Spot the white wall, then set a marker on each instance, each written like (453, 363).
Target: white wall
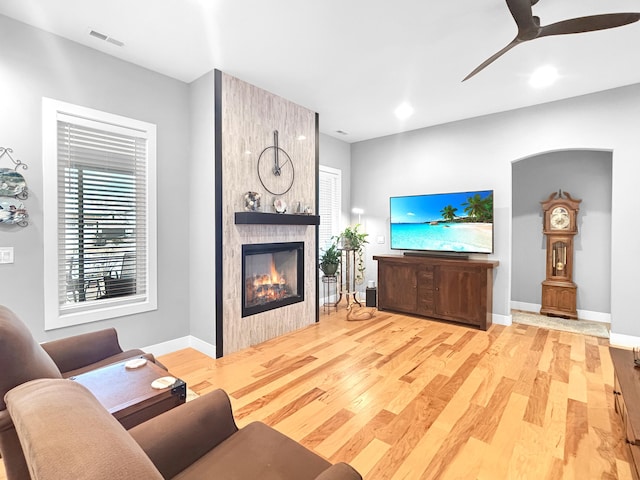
(477, 154)
(34, 64)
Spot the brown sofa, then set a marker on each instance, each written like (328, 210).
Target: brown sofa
(66, 433)
(23, 359)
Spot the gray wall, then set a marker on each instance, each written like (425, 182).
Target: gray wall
(478, 154)
(586, 175)
(34, 64)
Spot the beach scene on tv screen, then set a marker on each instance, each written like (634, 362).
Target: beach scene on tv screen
(447, 222)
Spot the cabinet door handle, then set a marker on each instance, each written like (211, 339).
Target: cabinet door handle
(615, 392)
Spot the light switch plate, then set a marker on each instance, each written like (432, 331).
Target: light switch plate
(6, 254)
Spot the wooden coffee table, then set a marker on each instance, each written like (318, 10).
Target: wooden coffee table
(127, 393)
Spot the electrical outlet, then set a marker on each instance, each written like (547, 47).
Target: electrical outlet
(6, 254)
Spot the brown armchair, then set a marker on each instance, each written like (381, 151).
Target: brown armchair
(196, 440)
(23, 359)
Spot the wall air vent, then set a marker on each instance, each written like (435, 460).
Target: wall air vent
(106, 38)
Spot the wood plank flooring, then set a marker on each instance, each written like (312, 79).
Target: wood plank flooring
(401, 397)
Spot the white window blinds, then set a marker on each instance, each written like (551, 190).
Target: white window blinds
(329, 205)
(101, 212)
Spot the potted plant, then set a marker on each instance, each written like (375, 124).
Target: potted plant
(352, 239)
(330, 260)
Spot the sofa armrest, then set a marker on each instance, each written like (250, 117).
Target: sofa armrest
(78, 351)
(177, 438)
(339, 471)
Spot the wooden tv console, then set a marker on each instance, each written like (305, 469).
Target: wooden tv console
(454, 289)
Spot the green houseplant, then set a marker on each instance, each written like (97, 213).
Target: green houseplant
(330, 260)
(352, 239)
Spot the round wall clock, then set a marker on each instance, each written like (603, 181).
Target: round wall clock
(275, 168)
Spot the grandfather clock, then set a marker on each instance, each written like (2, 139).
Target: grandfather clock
(560, 227)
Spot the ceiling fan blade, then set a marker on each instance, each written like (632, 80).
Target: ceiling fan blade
(522, 13)
(589, 24)
(493, 58)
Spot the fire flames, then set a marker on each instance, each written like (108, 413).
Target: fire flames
(264, 288)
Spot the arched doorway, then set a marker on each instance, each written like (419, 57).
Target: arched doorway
(587, 175)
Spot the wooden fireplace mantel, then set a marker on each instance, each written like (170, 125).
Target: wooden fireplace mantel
(263, 218)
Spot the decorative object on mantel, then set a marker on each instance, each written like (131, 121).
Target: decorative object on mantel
(13, 186)
(275, 172)
(252, 201)
(280, 205)
(303, 209)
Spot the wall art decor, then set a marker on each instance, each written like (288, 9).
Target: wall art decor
(13, 189)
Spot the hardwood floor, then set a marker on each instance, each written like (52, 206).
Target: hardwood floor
(401, 397)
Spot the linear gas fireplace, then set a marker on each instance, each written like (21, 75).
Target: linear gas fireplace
(273, 276)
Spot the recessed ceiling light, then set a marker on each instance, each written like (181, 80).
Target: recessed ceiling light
(342, 132)
(403, 111)
(543, 77)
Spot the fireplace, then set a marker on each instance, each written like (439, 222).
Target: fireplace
(273, 276)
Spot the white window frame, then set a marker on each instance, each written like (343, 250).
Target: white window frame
(54, 316)
(336, 207)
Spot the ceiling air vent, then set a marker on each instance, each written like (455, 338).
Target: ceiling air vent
(106, 38)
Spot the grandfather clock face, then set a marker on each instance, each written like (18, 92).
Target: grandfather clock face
(559, 219)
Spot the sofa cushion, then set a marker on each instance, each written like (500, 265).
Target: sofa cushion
(22, 358)
(66, 433)
(257, 451)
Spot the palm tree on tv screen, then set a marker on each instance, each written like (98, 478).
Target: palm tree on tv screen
(449, 212)
(479, 209)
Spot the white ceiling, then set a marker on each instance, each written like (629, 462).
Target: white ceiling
(354, 61)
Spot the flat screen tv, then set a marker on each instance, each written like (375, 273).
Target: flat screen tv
(458, 222)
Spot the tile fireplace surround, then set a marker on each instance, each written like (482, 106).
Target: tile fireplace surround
(245, 121)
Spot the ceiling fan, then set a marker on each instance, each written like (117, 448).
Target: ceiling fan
(529, 27)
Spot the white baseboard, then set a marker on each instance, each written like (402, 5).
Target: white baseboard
(501, 319)
(525, 307)
(180, 343)
(621, 340)
(582, 314)
(202, 346)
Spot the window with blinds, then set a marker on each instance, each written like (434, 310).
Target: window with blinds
(102, 251)
(330, 180)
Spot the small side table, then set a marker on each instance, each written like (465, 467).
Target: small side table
(128, 395)
(329, 287)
